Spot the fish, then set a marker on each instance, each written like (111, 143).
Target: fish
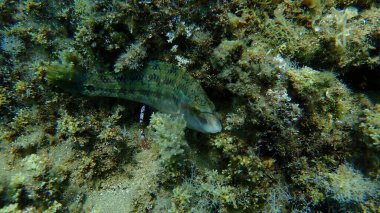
(160, 85)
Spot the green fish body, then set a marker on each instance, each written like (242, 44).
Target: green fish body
(160, 85)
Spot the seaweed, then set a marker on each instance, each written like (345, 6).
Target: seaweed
(297, 136)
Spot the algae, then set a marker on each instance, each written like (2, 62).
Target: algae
(297, 135)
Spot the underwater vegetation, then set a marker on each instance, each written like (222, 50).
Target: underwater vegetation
(280, 97)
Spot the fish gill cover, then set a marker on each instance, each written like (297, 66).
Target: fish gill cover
(293, 83)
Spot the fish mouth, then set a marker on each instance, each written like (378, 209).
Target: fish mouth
(204, 122)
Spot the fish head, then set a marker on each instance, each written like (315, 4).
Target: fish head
(205, 122)
(199, 112)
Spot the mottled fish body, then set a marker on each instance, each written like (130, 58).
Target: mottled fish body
(158, 84)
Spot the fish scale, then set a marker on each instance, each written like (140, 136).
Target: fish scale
(158, 84)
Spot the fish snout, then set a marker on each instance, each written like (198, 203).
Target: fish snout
(204, 122)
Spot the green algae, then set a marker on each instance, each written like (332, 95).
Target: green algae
(296, 136)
